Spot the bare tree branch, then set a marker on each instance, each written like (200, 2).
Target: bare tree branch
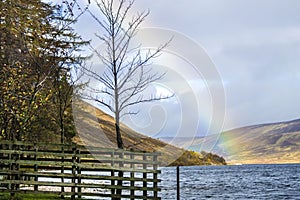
(128, 71)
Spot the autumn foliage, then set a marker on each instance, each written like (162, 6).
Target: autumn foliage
(38, 50)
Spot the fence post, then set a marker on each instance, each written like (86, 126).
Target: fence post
(62, 170)
(13, 169)
(145, 193)
(11, 177)
(120, 175)
(132, 176)
(35, 167)
(155, 183)
(73, 173)
(18, 158)
(112, 172)
(178, 183)
(76, 160)
(79, 173)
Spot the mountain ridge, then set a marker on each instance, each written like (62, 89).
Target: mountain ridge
(266, 124)
(96, 128)
(269, 143)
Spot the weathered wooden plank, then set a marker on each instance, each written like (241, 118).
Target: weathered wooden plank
(56, 157)
(124, 169)
(27, 160)
(83, 185)
(39, 153)
(77, 176)
(85, 166)
(83, 194)
(82, 148)
(39, 163)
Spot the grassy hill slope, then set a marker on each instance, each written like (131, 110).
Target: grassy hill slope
(97, 128)
(265, 143)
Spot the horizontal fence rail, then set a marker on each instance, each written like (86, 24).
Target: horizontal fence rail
(77, 171)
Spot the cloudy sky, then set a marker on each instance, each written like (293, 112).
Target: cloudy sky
(254, 45)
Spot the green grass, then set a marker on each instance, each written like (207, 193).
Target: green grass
(6, 196)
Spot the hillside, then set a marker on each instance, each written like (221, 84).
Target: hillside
(264, 143)
(97, 128)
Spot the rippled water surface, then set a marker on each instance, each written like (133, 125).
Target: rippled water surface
(233, 182)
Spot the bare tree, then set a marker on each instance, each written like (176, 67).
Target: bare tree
(128, 70)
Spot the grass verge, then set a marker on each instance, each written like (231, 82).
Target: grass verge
(6, 196)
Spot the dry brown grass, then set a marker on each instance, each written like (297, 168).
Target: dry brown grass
(276, 143)
(97, 128)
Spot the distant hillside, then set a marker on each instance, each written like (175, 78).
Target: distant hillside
(264, 143)
(97, 128)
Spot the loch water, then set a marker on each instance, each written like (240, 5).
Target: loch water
(233, 182)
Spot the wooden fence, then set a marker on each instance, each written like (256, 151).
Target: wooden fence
(77, 171)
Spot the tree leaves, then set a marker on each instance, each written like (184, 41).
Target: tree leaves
(38, 48)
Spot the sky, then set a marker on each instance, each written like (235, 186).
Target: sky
(254, 45)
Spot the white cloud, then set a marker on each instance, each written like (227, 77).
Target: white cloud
(255, 45)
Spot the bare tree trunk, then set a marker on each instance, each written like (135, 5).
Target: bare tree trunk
(120, 146)
(127, 72)
(119, 136)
